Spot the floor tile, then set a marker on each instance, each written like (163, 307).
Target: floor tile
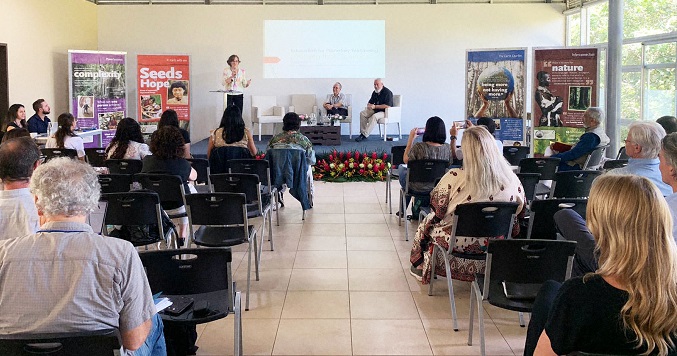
(316, 305)
(364, 230)
(369, 243)
(321, 259)
(373, 259)
(319, 279)
(322, 243)
(263, 304)
(313, 337)
(323, 230)
(258, 337)
(389, 337)
(382, 305)
(377, 279)
(445, 341)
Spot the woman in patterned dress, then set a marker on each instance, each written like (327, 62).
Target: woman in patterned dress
(485, 176)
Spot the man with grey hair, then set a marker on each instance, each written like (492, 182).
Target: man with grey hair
(381, 99)
(642, 146)
(668, 167)
(593, 137)
(18, 215)
(66, 278)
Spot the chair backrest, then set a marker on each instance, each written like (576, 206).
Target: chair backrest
(50, 153)
(265, 104)
(260, 167)
(304, 103)
(526, 262)
(595, 158)
(219, 157)
(201, 166)
(514, 154)
(614, 163)
(397, 155)
(100, 342)
(573, 184)
(541, 221)
(204, 270)
(96, 157)
(245, 183)
(529, 182)
(425, 171)
(545, 166)
(115, 183)
(217, 209)
(132, 208)
(484, 219)
(288, 166)
(397, 100)
(124, 166)
(622, 154)
(169, 188)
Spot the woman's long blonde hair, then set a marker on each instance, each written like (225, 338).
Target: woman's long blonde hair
(632, 225)
(486, 169)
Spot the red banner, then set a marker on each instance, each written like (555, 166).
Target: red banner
(164, 83)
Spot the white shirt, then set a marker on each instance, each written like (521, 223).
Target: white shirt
(70, 142)
(18, 214)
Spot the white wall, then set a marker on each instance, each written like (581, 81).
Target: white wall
(425, 49)
(38, 34)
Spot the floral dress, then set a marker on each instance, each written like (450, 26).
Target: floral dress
(436, 226)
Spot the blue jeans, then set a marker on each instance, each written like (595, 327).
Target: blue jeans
(155, 342)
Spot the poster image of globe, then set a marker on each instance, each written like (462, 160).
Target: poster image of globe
(496, 83)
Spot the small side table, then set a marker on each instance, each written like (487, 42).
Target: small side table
(324, 135)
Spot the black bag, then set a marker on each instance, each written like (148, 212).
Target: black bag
(144, 234)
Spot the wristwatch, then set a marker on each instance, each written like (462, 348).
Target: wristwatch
(452, 138)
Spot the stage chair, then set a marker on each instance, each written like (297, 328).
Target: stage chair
(393, 115)
(266, 111)
(303, 104)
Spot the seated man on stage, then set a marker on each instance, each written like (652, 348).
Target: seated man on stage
(336, 102)
(381, 99)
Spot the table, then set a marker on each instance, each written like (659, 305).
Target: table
(91, 138)
(325, 135)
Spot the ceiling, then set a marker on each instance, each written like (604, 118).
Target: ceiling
(569, 3)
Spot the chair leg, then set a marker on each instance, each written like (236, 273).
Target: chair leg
(472, 312)
(259, 131)
(399, 218)
(379, 130)
(450, 286)
(390, 194)
(303, 217)
(249, 274)
(521, 317)
(385, 132)
(277, 209)
(231, 298)
(256, 257)
(270, 229)
(433, 262)
(404, 215)
(480, 318)
(399, 129)
(237, 336)
(350, 128)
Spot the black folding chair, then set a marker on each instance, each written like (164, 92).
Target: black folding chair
(96, 157)
(115, 183)
(594, 159)
(201, 166)
(545, 166)
(124, 166)
(50, 153)
(614, 163)
(203, 275)
(83, 343)
(223, 223)
(541, 221)
(517, 268)
(573, 184)
(396, 158)
(487, 219)
(514, 154)
(219, 157)
(138, 214)
(261, 168)
(420, 171)
(529, 182)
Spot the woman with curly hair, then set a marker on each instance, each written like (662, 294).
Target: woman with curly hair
(128, 141)
(65, 136)
(171, 118)
(16, 118)
(231, 132)
(629, 305)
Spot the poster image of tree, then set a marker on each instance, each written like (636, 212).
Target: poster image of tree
(565, 85)
(495, 88)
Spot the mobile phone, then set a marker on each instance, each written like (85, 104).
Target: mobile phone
(420, 132)
(460, 124)
(179, 305)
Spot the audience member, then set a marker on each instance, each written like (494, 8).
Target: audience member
(290, 137)
(65, 137)
(485, 176)
(231, 132)
(668, 167)
(16, 118)
(170, 118)
(336, 102)
(39, 122)
(629, 304)
(381, 99)
(593, 137)
(488, 123)
(18, 215)
(433, 146)
(128, 141)
(16, 133)
(642, 146)
(669, 123)
(166, 146)
(65, 277)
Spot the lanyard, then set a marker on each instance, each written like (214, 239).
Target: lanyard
(64, 231)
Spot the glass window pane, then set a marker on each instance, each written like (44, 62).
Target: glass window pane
(632, 54)
(630, 100)
(660, 93)
(574, 22)
(598, 27)
(660, 53)
(643, 18)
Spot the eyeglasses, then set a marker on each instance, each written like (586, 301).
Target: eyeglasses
(628, 141)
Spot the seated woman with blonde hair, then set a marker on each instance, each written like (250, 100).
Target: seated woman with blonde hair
(629, 305)
(485, 176)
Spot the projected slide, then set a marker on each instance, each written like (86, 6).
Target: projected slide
(324, 49)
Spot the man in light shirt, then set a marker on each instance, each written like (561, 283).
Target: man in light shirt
(18, 215)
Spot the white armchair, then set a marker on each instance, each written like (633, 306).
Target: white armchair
(393, 115)
(349, 119)
(266, 111)
(303, 104)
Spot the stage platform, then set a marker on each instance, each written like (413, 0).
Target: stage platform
(374, 143)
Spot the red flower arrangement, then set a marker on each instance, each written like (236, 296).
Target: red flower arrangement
(351, 166)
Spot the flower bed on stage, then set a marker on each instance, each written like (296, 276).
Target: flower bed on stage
(351, 166)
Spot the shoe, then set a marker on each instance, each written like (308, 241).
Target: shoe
(360, 138)
(417, 273)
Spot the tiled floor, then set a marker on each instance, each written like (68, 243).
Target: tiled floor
(338, 284)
